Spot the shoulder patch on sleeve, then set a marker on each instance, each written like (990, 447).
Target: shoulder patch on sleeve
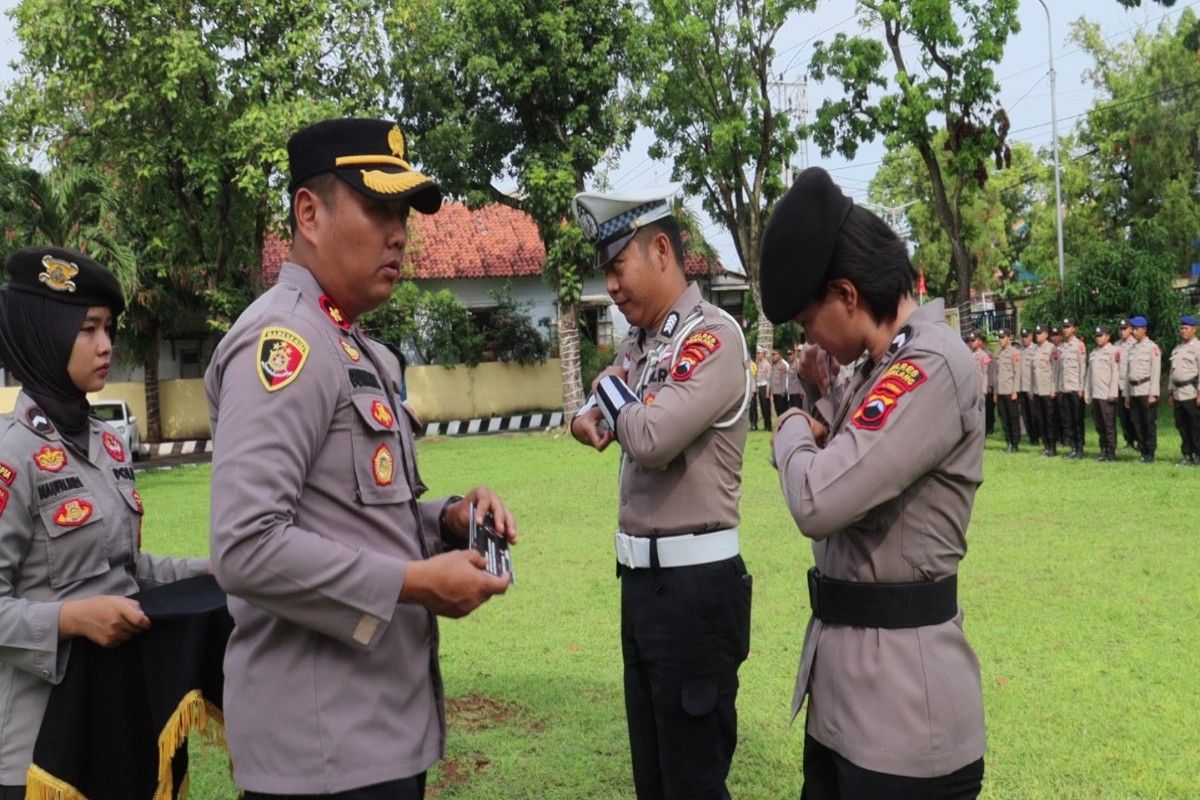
(696, 348)
(7, 473)
(281, 355)
(900, 379)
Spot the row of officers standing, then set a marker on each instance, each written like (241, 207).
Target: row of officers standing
(1048, 379)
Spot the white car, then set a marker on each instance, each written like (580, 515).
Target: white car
(117, 414)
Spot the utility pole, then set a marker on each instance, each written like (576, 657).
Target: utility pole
(1058, 214)
(791, 100)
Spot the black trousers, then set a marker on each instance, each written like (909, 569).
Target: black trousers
(1125, 415)
(1080, 421)
(761, 402)
(989, 414)
(1010, 419)
(12, 793)
(1027, 413)
(782, 403)
(684, 633)
(1104, 414)
(1187, 422)
(829, 776)
(404, 789)
(1047, 414)
(1145, 422)
(1068, 414)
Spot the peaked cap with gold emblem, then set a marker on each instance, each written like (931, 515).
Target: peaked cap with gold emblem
(369, 154)
(66, 276)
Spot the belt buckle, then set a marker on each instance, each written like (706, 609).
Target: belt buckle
(625, 550)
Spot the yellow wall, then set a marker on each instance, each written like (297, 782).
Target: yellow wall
(437, 394)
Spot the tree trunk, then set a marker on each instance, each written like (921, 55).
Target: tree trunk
(766, 331)
(568, 354)
(950, 216)
(150, 367)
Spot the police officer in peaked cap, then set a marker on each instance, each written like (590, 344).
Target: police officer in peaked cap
(674, 401)
(895, 707)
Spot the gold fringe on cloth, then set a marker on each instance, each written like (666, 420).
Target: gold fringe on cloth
(41, 785)
(193, 711)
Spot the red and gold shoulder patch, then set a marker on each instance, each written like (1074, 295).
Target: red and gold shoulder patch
(7, 473)
(382, 466)
(696, 348)
(50, 459)
(114, 446)
(3, 499)
(900, 379)
(382, 414)
(351, 351)
(335, 314)
(281, 356)
(73, 513)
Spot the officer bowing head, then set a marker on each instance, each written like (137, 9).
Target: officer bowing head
(352, 187)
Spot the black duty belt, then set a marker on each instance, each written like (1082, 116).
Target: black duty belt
(1188, 382)
(882, 605)
(1138, 382)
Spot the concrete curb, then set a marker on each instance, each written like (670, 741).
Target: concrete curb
(457, 427)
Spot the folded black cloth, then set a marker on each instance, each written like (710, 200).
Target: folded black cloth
(116, 727)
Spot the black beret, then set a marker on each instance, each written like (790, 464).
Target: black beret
(368, 154)
(1068, 323)
(1039, 328)
(798, 243)
(975, 335)
(1003, 333)
(1101, 329)
(66, 276)
(1123, 323)
(1054, 329)
(1026, 332)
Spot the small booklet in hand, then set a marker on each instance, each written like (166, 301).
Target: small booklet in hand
(492, 546)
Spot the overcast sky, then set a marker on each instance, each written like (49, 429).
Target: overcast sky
(1023, 74)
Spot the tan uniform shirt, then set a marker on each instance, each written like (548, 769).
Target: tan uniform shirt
(1122, 359)
(887, 500)
(1028, 356)
(1185, 370)
(783, 379)
(330, 684)
(680, 472)
(1103, 375)
(763, 376)
(1072, 364)
(70, 528)
(1145, 369)
(1008, 372)
(983, 363)
(1044, 371)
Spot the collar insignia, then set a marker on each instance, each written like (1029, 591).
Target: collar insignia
(38, 420)
(137, 500)
(901, 339)
(382, 466)
(335, 314)
(281, 356)
(73, 513)
(668, 328)
(114, 446)
(50, 459)
(351, 350)
(58, 274)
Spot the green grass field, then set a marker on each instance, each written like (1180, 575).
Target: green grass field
(1081, 591)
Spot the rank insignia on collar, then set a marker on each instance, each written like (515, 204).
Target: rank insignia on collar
(50, 459)
(137, 500)
(335, 314)
(114, 446)
(73, 513)
(281, 356)
(382, 414)
(901, 338)
(696, 348)
(668, 328)
(38, 420)
(899, 379)
(7, 473)
(58, 274)
(383, 468)
(350, 350)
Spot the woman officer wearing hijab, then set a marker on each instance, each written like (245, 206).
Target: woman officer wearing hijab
(70, 516)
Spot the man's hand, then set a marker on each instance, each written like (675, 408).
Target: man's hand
(1170, 399)
(1127, 404)
(616, 372)
(1153, 400)
(819, 431)
(458, 516)
(591, 429)
(107, 620)
(1014, 397)
(451, 584)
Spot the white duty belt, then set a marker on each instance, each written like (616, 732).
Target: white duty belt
(677, 551)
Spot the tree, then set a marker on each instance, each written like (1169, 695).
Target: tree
(436, 324)
(529, 91)
(709, 104)
(959, 42)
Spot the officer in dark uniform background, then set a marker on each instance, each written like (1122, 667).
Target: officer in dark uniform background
(1025, 395)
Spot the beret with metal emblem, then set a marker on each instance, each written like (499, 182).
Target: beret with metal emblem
(1123, 323)
(1068, 323)
(798, 243)
(368, 154)
(1187, 319)
(66, 276)
(1055, 330)
(609, 221)
(973, 335)
(1039, 328)
(1003, 333)
(1026, 332)
(1139, 322)
(1102, 330)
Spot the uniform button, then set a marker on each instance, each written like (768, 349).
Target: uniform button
(624, 501)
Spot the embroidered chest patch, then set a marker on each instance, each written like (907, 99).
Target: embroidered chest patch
(900, 379)
(350, 350)
(7, 473)
(281, 356)
(73, 513)
(382, 414)
(383, 467)
(696, 348)
(50, 459)
(114, 446)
